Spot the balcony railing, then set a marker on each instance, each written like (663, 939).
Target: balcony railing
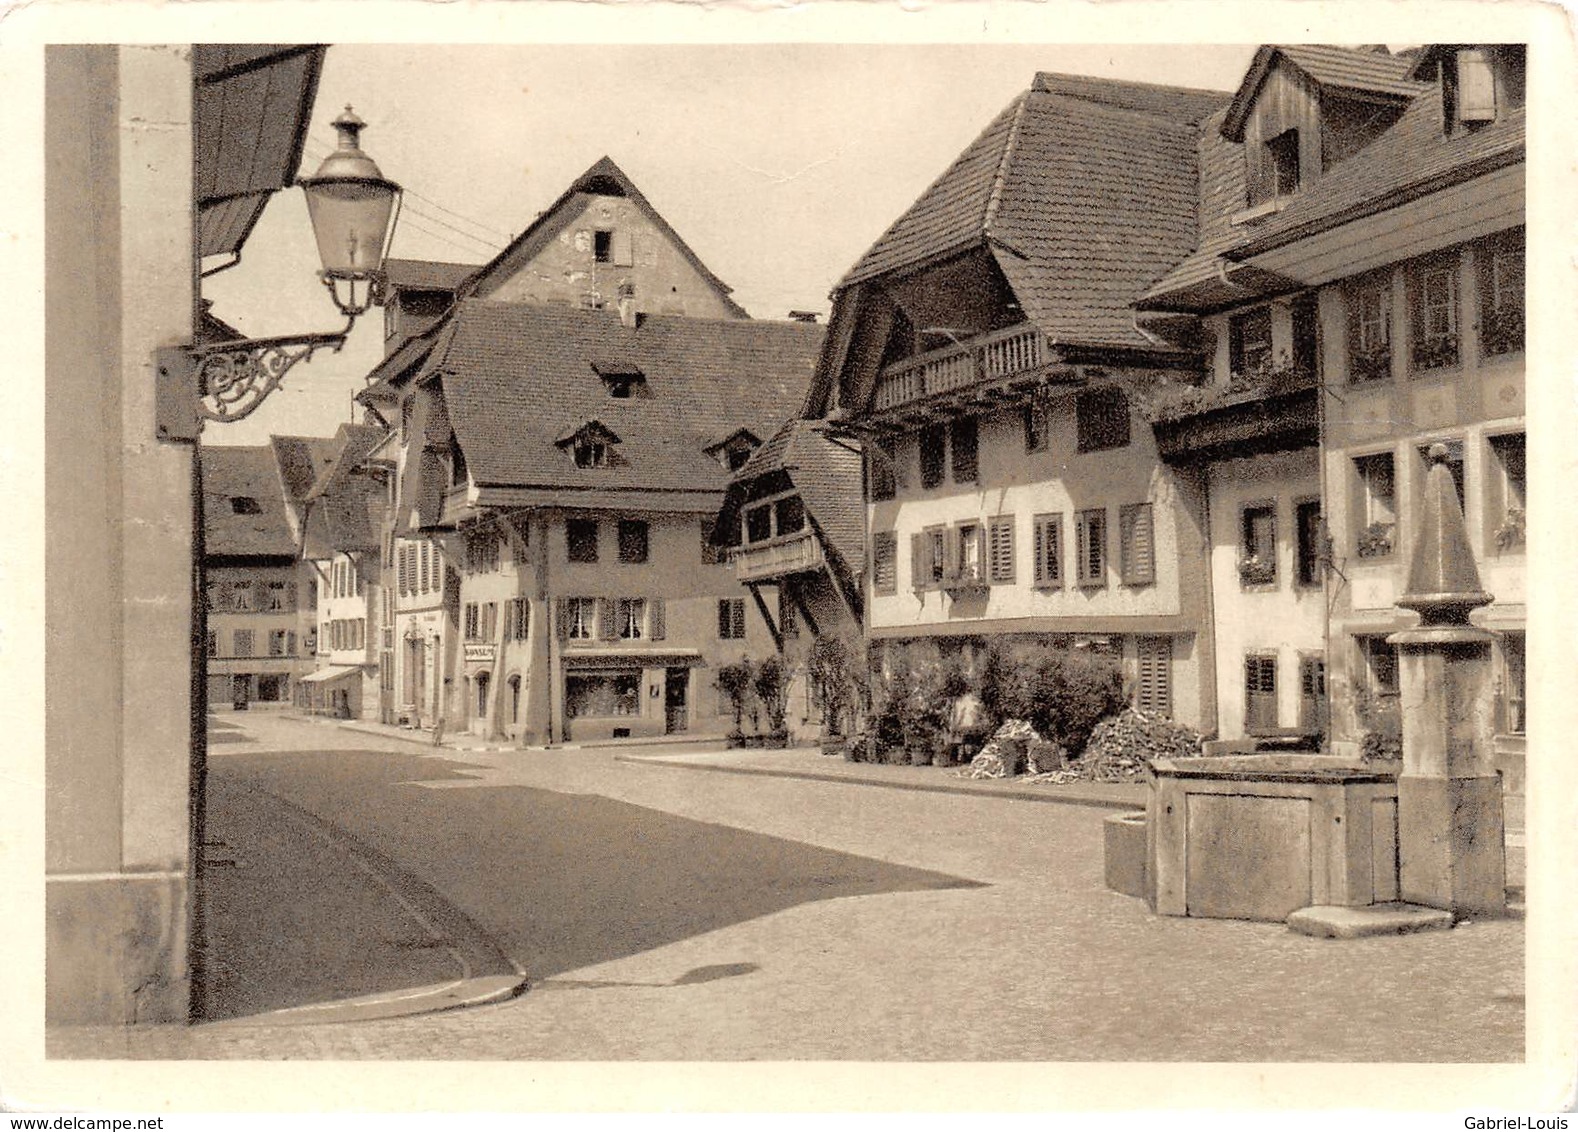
(1001, 353)
(788, 554)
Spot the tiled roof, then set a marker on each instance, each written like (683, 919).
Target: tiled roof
(346, 507)
(1176, 103)
(426, 274)
(515, 377)
(1412, 153)
(1341, 68)
(1222, 189)
(302, 460)
(1415, 153)
(1084, 198)
(1353, 69)
(243, 473)
(347, 448)
(603, 177)
(827, 475)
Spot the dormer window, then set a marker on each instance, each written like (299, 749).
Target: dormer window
(1479, 84)
(1283, 150)
(621, 379)
(591, 446)
(1274, 168)
(734, 450)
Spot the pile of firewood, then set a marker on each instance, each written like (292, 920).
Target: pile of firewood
(1120, 745)
(1003, 755)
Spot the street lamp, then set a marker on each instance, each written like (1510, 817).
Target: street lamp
(350, 203)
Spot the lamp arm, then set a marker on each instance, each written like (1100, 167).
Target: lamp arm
(227, 381)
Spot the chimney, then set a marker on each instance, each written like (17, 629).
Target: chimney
(628, 318)
(802, 316)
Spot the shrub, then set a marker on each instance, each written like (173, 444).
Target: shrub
(830, 665)
(923, 713)
(888, 703)
(1004, 692)
(734, 681)
(771, 684)
(1070, 693)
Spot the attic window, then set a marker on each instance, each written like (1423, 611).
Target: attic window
(620, 379)
(603, 246)
(737, 456)
(244, 505)
(590, 453)
(591, 446)
(1273, 169)
(1283, 151)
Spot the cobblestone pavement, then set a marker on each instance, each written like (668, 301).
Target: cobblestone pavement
(1040, 963)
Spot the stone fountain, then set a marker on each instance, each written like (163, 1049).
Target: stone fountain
(1337, 848)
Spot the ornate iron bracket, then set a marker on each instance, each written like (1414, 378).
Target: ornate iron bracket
(226, 381)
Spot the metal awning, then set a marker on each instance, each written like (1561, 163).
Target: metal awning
(251, 102)
(329, 675)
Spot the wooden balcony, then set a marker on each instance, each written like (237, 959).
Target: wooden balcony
(787, 554)
(985, 358)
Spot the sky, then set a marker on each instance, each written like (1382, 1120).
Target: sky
(778, 163)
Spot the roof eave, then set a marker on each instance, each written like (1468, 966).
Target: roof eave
(1402, 194)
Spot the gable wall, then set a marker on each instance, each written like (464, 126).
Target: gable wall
(566, 270)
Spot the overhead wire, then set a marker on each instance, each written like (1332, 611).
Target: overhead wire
(486, 239)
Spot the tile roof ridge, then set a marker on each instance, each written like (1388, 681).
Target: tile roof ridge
(1000, 176)
(1138, 84)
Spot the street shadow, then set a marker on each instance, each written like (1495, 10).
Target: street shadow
(331, 845)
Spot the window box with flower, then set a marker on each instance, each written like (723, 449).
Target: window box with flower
(1375, 540)
(1254, 570)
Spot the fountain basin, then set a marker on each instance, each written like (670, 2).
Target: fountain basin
(1258, 837)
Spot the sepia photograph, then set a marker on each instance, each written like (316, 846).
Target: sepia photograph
(957, 548)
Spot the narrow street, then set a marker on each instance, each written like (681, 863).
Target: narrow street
(667, 913)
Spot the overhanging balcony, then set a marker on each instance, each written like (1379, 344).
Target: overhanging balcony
(777, 558)
(987, 358)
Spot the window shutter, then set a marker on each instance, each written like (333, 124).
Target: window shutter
(964, 441)
(403, 576)
(1154, 693)
(607, 619)
(1002, 549)
(737, 611)
(624, 249)
(917, 570)
(657, 624)
(1137, 535)
(564, 618)
(1476, 88)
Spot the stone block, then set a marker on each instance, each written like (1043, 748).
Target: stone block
(116, 949)
(1123, 845)
(1452, 850)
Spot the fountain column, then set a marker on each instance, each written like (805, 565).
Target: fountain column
(1451, 847)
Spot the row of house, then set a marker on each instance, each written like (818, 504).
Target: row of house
(1148, 370)
(1156, 371)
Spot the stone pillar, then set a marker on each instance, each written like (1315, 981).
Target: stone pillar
(1450, 839)
(119, 537)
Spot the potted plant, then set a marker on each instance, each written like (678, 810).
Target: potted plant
(734, 681)
(771, 684)
(1375, 540)
(887, 713)
(829, 667)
